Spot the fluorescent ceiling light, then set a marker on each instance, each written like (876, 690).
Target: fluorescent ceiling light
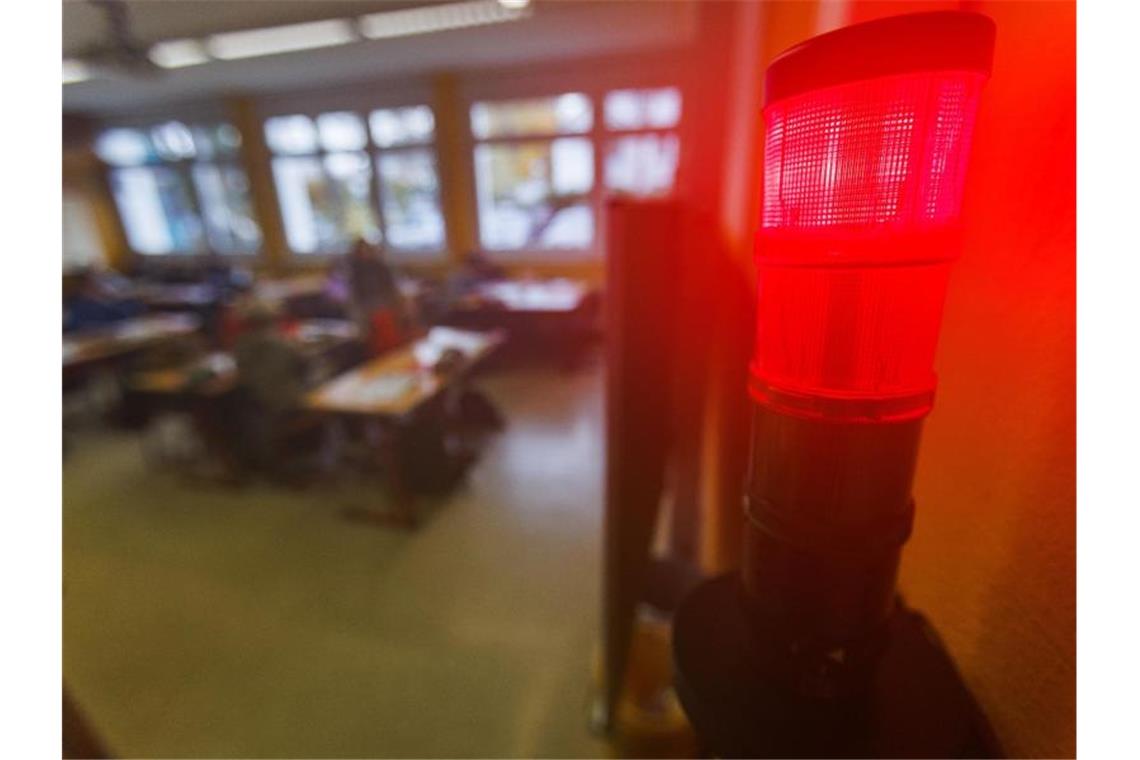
(438, 18)
(173, 54)
(75, 70)
(280, 39)
(514, 3)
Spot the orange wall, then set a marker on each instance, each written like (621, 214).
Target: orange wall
(992, 560)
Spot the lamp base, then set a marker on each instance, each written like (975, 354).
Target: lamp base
(916, 704)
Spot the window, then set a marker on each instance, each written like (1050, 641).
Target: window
(409, 180)
(643, 148)
(180, 189)
(533, 175)
(535, 163)
(340, 177)
(323, 180)
(571, 113)
(410, 199)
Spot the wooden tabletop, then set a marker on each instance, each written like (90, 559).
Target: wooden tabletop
(126, 336)
(396, 383)
(218, 370)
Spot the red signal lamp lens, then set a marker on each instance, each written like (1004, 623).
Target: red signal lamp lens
(868, 136)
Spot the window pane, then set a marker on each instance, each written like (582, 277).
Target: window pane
(351, 185)
(410, 191)
(157, 210)
(402, 126)
(642, 164)
(173, 141)
(309, 219)
(638, 109)
(326, 207)
(572, 166)
(291, 134)
(342, 130)
(124, 147)
(623, 110)
(216, 140)
(571, 113)
(223, 194)
(663, 107)
(530, 194)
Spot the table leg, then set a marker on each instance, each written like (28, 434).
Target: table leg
(389, 456)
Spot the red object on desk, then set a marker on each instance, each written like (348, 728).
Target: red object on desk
(290, 326)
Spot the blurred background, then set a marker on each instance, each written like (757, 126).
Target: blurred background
(346, 288)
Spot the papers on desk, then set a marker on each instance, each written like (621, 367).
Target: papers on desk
(539, 295)
(440, 339)
(397, 382)
(363, 390)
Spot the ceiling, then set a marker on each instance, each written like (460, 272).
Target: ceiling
(554, 31)
(154, 20)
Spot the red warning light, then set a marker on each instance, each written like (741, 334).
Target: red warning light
(863, 174)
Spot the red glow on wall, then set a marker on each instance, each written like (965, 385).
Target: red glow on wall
(862, 193)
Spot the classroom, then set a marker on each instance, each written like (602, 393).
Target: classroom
(523, 378)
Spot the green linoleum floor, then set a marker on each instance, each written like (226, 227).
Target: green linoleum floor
(205, 621)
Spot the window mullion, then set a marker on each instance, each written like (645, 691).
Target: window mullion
(378, 195)
(597, 137)
(335, 200)
(184, 170)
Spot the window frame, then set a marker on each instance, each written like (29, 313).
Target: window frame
(184, 168)
(613, 134)
(592, 197)
(353, 100)
(593, 80)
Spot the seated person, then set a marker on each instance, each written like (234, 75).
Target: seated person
(271, 378)
(89, 304)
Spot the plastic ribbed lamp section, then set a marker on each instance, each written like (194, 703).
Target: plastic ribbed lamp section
(862, 193)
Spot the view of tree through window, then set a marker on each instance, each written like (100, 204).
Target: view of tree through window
(341, 177)
(535, 162)
(533, 182)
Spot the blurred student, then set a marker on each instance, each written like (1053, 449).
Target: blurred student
(374, 297)
(272, 380)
